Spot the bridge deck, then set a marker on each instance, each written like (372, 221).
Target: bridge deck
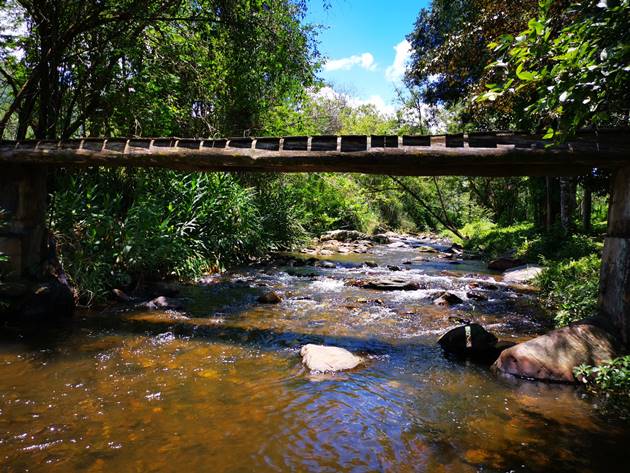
(475, 154)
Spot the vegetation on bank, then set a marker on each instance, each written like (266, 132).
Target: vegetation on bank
(609, 377)
(570, 280)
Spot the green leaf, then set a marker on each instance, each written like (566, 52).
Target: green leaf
(550, 134)
(524, 75)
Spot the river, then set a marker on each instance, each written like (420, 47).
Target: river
(221, 387)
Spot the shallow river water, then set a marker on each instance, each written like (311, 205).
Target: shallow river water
(222, 389)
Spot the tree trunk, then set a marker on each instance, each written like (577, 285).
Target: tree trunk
(587, 208)
(614, 290)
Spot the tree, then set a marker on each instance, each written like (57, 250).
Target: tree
(449, 54)
(132, 67)
(578, 74)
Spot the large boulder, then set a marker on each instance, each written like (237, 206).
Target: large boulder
(553, 356)
(522, 274)
(503, 264)
(322, 358)
(343, 235)
(470, 340)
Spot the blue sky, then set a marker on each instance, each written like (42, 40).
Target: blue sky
(364, 41)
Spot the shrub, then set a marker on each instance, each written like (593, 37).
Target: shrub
(570, 287)
(493, 241)
(556, 245)
(331, 201)
(119, 226)
(612, 376)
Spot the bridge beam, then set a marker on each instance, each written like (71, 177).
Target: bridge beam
(614, 291)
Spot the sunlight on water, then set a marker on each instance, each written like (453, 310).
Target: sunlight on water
(222, 389)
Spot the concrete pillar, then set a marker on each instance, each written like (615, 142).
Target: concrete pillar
(22, 226)
(614, 291)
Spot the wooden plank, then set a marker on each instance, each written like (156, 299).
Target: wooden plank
(295, 143)
(324, 143)
(351, 143)
(419, 161)
(416, 140)
(268, 143)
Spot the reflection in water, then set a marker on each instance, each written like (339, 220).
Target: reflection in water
(223, 389)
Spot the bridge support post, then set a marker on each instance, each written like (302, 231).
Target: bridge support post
(32, 283)
(614, 290)
(22, 226)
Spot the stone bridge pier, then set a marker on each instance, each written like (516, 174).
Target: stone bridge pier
(32, 283)
(614, 292)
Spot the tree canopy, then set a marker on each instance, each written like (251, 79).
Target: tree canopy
(141, 67)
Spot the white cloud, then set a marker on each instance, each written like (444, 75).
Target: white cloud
(396, 71)
(377, 101)
(328, 93)
(365, 61)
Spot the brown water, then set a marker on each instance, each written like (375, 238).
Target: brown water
(223, 390)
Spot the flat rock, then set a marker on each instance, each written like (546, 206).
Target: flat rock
(120, 295)
(503, 264)
(371, 264)
(270, 298)
(381, 239)
(163, 303)
(522, 274)
(343, 235)
(476, 296)
(326, 264)
(427, 249)
(553, 356)
(326, 359)
(390, 284)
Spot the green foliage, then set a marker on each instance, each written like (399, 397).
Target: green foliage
(610, 377)
(493, 240)
(571, 288)
(116, 227)
(558, 246)
(331, 201)
(525, 241)
(138, 67)
(449, 54)
(576, 63)
(570, 281)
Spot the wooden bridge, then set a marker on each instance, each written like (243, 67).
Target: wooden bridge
(473, 154)
(23, 178)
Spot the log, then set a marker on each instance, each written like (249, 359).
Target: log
(479, 155)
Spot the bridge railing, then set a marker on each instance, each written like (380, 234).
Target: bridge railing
(585, 141)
